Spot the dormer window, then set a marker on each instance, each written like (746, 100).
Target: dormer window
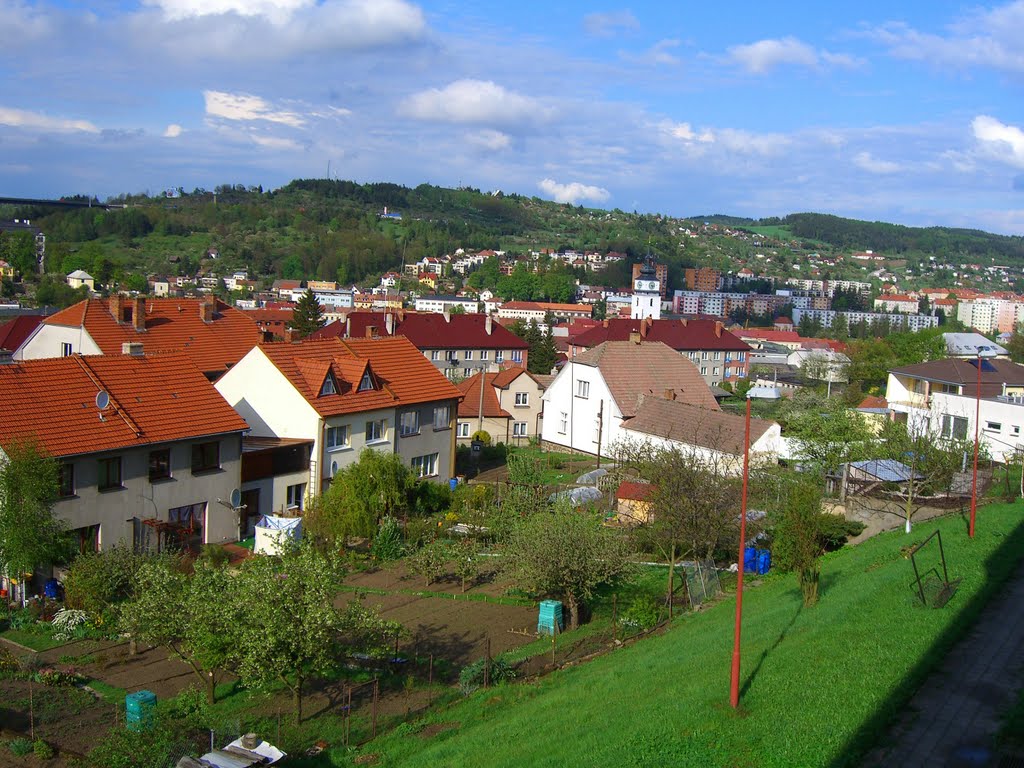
(367, 382)
(328, 387)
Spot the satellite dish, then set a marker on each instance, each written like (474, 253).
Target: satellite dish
(236, 498)
(102, 400)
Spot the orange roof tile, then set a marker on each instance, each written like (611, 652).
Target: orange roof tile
(153, 399)
(171, 324)
(401, 373)
(470, 405)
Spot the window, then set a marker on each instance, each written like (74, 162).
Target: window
(295, 495)
(451, 373)
(65, 349)
(442, 417)
(499, 357)
(522, 399)
(715, 371)
(205, 456)
(328, 388)
(703, 370)
(435, 354)
(452, 355)
(463, 429)
(718, 355)
(159, 464)
(519, 429)
(366, 383)
(517, 355)
(485, 354)
(728, 372)
(108, 474)
(703, 355)
(338, 437)
(468, 354)
(583, 389)
(1016, 430)
(741, 356)
(87, 539)
(993, 426)
(954, 427)
(66, 479)
(409, 423)
(375, 430)
(563, 423)
(425, 466)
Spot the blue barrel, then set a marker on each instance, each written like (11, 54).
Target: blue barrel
(139, 709)
(549, 618)
(52, 589)
(453, 483)
(750, 560)
(764, 561)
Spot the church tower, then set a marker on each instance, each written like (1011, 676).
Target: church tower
(646, 293)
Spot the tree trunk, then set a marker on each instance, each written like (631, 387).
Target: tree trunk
(133, 646)
(574, 611)
(211, 688)
(671, 577)
(297, 698)
(907, 526)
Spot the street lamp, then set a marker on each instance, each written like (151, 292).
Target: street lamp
(761, 393)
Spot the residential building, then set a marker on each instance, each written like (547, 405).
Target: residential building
(757, 338)
(457, 345)
(704, 279)
(591, 397)
(941, 398)
(6, 270)
(212, 334)
(441, 304)
(896, 321)
(146, 446)
(897, 303)
(717, 353)
(344, 396)
(968, 345)
(15, 332)
(80, 277)
(508, 405)
(539, 310)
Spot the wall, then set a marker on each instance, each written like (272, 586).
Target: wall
(46, 341)
(429, 440)
(581, 431)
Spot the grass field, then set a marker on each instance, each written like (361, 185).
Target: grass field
(819, 685)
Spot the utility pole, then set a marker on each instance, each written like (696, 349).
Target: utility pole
(600, 429)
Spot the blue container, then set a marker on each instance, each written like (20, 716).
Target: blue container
(750, 560)
(549, 618)
(139, 709)
(52, 589)
(764, 561)
(453, 483)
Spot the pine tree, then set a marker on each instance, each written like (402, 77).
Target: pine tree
(543, 354)
(308, 315)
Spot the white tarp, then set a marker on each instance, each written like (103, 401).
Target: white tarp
(272, 531)
(577, 496)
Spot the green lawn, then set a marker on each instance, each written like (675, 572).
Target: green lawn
(819, 685)
(36, 641)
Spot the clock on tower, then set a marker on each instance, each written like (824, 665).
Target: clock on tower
(646, 293)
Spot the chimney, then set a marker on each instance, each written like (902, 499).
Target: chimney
(289, 335)
(447, 316)
(389, 323)
(683, 321)
(643, 329)
(401, 315)
(116, 305)
(634, 337)
(207, 305)
(718, 329)
(132, 348)
(670, 394)
(6, 357)
(605, 322)
(371, 331)
(139, 313)
(489, 325)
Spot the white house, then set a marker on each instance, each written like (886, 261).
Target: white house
(596, 391)
(80, 277)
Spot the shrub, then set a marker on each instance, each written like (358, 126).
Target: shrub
(66, 621)
(641, 614)
(472, 676)
(483, 436)
(156, 747)
(215, 555)
(189, 707)
(9, 665)
(19, 747)
(834, 530)
(55, 676)
(42, 750)
(21, 619)
(387, 544)
(430, 560)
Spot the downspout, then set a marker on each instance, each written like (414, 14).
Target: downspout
(314, 470)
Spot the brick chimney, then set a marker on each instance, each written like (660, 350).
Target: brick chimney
(139, 313)
(670, 394)
(683, 321)
(289, 335)
(605, 322)
(132, 348)
(6, 357)
(718, 329)
(116, 306)
(207, 305)
(371, 331)
(447, 316)
(634, 337)
(643, 328)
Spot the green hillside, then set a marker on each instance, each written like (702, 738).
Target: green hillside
(820, 684)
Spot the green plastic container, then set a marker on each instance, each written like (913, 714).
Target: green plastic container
(138, 709)
(549, 619)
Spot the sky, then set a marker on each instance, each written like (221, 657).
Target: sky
(908, 112)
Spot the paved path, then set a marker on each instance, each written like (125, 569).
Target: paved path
(953, 718)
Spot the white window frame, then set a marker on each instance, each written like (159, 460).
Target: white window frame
(517, 355)
(485, 354)
(409, 423)
(499, 357)
(582, 389)
(467, 355)
(563, 423)
(462, 429)
(520, 429)
(295, 495)
(376, 431)
(445, 420)
(332, 437)
(993, 426)
(522, 399)
(425, 466)
(66, 349)
(435, 354)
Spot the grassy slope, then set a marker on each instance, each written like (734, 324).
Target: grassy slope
(821, 683)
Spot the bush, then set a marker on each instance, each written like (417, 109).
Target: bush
(57, 677)
(21, 619)
(67, 621)
(156, 747)
(472, 676)
(42, 750)
(215, 555)
(642, 614)
(482, 436)
(834, 530)
(97, 581)
(189, 707)
(19, 747)
(387, 544)
(9, 665)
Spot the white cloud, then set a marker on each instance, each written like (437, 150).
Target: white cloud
(481, 102)
(730, 140)
(989, 38)
(184, 9)
(659, 53)
(572, 192)
(242, 106)
(610, 24)
(998, 140)
(19, 118)
(274, 142)
(765, 55)
(684, 132)
(868, 162)
(490, 139)
(172, 131)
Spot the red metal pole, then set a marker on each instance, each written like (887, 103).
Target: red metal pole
(977, 425)
(734, 686)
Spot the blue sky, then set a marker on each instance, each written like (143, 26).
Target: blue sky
(905, 112)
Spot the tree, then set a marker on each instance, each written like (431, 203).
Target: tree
(430, 560)
(30, 534)
(543, 355)
(308, 315)
(565, 554)
(826, 432)
(193, 616)
(798, 541)
(360, 495)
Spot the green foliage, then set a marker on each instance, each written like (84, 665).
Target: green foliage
(155, 747)
(471, 678)
(797, 544)
(214, 555)
(360, 495)
(642, 613)
(42, 750)
(482, 436)
(387, 544)
(99, 582)
(54, 291)
(827, 433)
(30, 534)
(308, 315)
(429, 561)
(20, 747)
(467, 561)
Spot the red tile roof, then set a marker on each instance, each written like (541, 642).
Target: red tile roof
(871, 401)
(171, 325)
(14, 332)
(153, 399)
(632, 491)
(402, 375)
(428, 330)
(680, 335)
(631, 370)
(692, 425)
(470, 405)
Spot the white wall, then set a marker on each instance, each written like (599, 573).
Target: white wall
(581, 431)
(763, 451)
(47, 340)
